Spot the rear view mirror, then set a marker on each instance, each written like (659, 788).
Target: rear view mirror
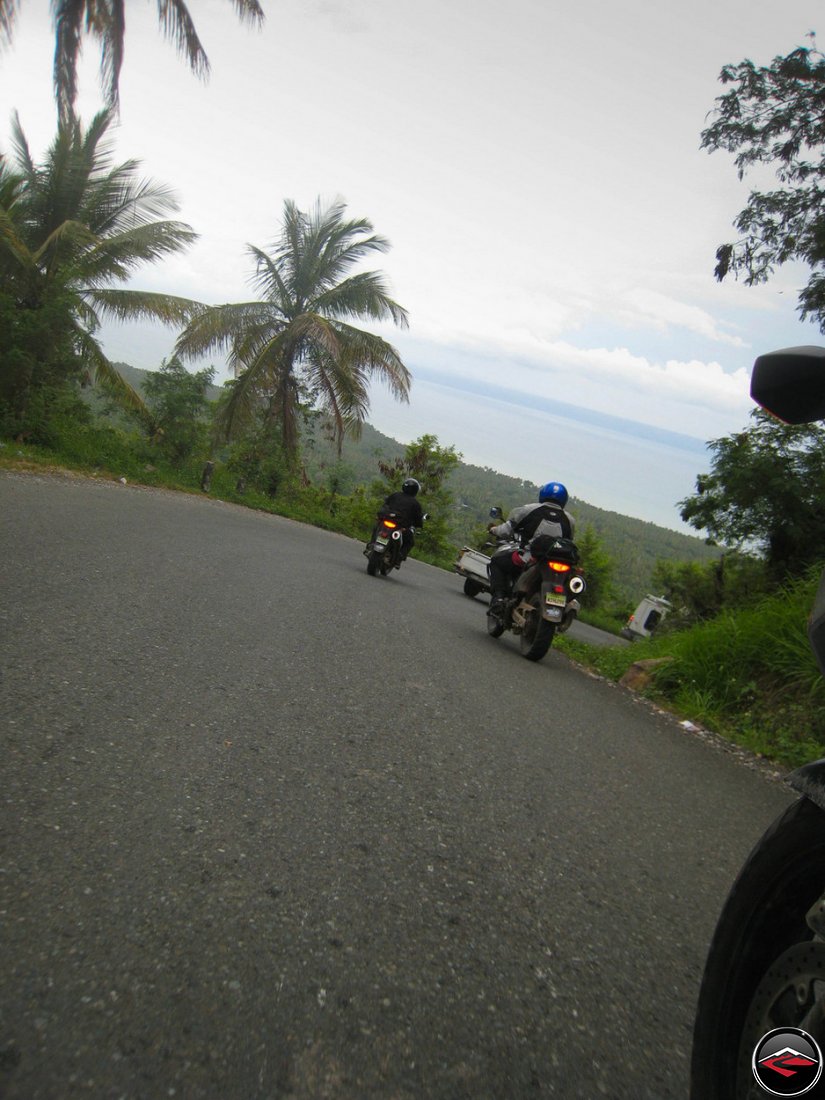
(791, 384)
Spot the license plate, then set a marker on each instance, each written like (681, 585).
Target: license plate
(382, 541)
(555, 599)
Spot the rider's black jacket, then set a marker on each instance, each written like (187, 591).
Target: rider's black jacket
(407, 507)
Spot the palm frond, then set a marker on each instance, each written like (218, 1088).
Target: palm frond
(139, 305)
(248, 396)
(110, 27)
(12, 245)
(214, 328)
(8, 13)
(249, 11)
(176, 23)
(107, 375)
(68, 20)
(21, 149)
(362, 295)
(368, 353)
(268, 279)
(67, 239)
(117, 257)
(341, 393)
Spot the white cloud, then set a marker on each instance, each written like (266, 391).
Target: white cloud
(650, 307)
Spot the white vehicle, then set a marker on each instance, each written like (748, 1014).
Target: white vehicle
(646, 617)
(474, 567)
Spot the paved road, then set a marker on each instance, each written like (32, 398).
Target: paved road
(274, 828)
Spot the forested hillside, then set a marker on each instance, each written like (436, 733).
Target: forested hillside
(634, 545)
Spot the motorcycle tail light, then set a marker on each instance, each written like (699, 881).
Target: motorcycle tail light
(558, 588)
(559, 566)
(389, 523)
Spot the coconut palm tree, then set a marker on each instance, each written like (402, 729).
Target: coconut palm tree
(106, 21)
(297, 342)
(70, 228)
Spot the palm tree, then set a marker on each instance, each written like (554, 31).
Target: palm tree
(297, 343)
(69, 229)
(106, 21)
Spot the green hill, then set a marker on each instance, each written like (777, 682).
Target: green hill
(634, 544)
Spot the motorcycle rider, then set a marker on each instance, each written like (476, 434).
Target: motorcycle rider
(408, 510)
(545, 517)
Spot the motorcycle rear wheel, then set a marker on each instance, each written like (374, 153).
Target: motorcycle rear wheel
(537, 636)
(375, 562)
(744, 994)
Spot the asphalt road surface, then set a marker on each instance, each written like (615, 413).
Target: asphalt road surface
(274, 828)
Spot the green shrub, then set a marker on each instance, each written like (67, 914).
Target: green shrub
(749, 674)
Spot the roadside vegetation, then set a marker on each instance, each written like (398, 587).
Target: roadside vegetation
(749, 674)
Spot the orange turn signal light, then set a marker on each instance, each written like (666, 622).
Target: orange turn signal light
(559, 566)
(389, 523)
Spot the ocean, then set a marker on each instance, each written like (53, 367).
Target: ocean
(611, 463)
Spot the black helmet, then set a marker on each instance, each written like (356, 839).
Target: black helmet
(410, 487)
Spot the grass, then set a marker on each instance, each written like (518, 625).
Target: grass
(749, 675)
(106, 453)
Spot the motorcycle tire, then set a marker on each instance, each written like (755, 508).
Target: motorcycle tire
(471, 588)
(375, 562)
(763, 969)
(537, 636)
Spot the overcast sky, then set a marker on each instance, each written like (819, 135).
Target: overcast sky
(536, 167)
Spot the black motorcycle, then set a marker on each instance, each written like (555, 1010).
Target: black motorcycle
(543, 598)
(385, 549)
(764, 979)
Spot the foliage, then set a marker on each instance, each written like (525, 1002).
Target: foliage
(775, 115)
(296, 346)
(70, 228)
(634, 545)
(107, 23)
(749, 674)
(700, 590)
(179, 407)
(767, 491)
(598, 569)
(257, 461)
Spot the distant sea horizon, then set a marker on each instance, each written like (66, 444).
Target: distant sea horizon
(619, 465)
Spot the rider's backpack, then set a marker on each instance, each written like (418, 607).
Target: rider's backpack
(555, 521)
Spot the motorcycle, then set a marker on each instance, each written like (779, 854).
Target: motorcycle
(543, 599)
(760, 1019)
(384, 551)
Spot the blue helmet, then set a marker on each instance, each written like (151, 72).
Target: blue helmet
(553, 493)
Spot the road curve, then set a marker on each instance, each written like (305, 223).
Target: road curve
(274, 828)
